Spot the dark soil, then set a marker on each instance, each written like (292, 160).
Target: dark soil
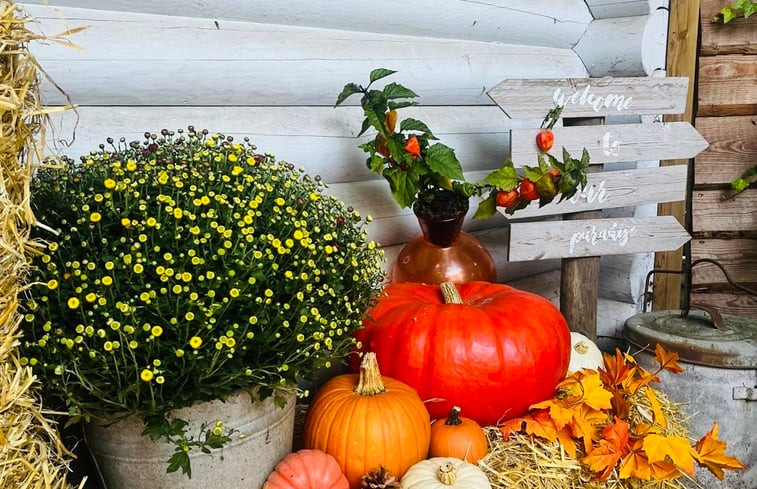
(439, 204)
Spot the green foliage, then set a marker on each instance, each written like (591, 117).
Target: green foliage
(742, 183)
(413, 165)
(183, 267)
(740, 7)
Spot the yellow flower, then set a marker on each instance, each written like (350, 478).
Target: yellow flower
(279, 201)
(91, 297)
(234, 292)
(178, 213)
(73, 302)
(151, 222)
(109, 183)
(156, 331)
(52, 284)
(107, 280)
(146, 375)
(95, 217)
(195, 342)
(138, 268)
(237, 169)
(131, 165)
(125, 222)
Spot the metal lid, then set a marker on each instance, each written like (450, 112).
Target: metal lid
(733, 344)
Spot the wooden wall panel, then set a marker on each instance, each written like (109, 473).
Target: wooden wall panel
(737, 37)
(739, 304)
(713, 215)
(733, 148)
(727, 86)
(737, 256)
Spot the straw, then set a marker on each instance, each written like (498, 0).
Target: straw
(31, 453)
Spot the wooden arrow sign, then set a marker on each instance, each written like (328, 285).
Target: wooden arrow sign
(607, 144)
(610, 189)
(591, 97)
(594, 237)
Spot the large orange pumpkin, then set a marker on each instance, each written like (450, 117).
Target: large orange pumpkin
(366, 420)
(489, 348)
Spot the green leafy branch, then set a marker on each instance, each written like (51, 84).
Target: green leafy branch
(739, 7)
(740, 184)
(175, 432)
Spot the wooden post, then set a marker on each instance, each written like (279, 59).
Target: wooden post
(579, 277)
(682, 58)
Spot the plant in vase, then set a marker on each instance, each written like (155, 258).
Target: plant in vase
(182, 269)
(425, 175)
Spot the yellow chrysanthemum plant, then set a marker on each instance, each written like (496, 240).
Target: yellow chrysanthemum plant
(182, 268)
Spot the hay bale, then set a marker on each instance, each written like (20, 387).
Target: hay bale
(30, 449)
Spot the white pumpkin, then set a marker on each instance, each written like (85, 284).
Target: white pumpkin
(444, 473)
(584, 353)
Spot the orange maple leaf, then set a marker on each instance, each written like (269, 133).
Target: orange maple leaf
(603, 459)
(710, 453)
(615, 369)
(567, 441)
(511, 426)
(616, 433)
(657, 415)
(635, 464)
(594, 393)
(668, 360)
(537, 423)
(677, 448)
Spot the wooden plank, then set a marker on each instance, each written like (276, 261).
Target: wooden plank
(743, 305)
(620, 142)
(591, 97)
(605, 9)
(626, 46)
(732, 150)
(616, 189)
(709, 213)
(737, 37)
(564, 239)
(144, 59)
(535, 22)
(737, 256)
(321, 139)
(683, 33)
(727, 86)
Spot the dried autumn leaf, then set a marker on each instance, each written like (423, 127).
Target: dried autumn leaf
(657, 447)
(567, 442)
(616, 433)
(637, 378)
(594, 393)
(603, 459)
(710, 453)
(657, 415)
(668, 360)
(537, 423)
(635, 464)
(615, 369)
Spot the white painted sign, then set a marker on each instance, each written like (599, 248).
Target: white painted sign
(591, 97)
(606, 190)
(607, 144)
(594, 237)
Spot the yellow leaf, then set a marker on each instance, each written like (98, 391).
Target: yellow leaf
(594, 393)
(668, 360)
(657, 414)
(710, 453)
(635, 464)
(567, 442)
(677, 448)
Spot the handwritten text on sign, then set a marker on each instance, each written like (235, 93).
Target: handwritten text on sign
(591, 97)
(594, 237)
(609, 189)
(617, 142)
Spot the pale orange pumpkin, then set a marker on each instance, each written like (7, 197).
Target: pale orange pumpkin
(307, 469)
(458, 437)
(366, 420)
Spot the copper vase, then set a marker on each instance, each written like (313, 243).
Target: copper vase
(443, 253)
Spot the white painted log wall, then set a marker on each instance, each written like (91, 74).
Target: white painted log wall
(526, 22)
(272, 72)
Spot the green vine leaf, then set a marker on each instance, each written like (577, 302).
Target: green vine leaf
(349, 89)
(395, 90)
(505, 178)
(441, 159)
(487, 207)
(380, 73)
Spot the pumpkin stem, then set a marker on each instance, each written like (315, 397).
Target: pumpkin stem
(450, 293)
(453, 419)
(370, 382)
(447, 473)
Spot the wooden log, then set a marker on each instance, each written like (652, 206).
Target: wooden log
(727, 86)
(622, 277)
(732, 150)
(620, 142)
(321, 139)
(579, 277)
(710, 213)
(737, 37)
(681, 62)
(143, 59)
(625, 46)
(535, 23)
(606, 9)
(737, 256)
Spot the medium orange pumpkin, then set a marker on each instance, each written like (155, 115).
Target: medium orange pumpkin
(367, 420)
(307, 469)
(457, 437)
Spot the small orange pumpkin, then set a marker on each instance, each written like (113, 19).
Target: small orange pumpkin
(458, 437)
(307, 469)
(367, 420)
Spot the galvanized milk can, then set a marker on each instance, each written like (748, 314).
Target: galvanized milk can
(719, 382)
